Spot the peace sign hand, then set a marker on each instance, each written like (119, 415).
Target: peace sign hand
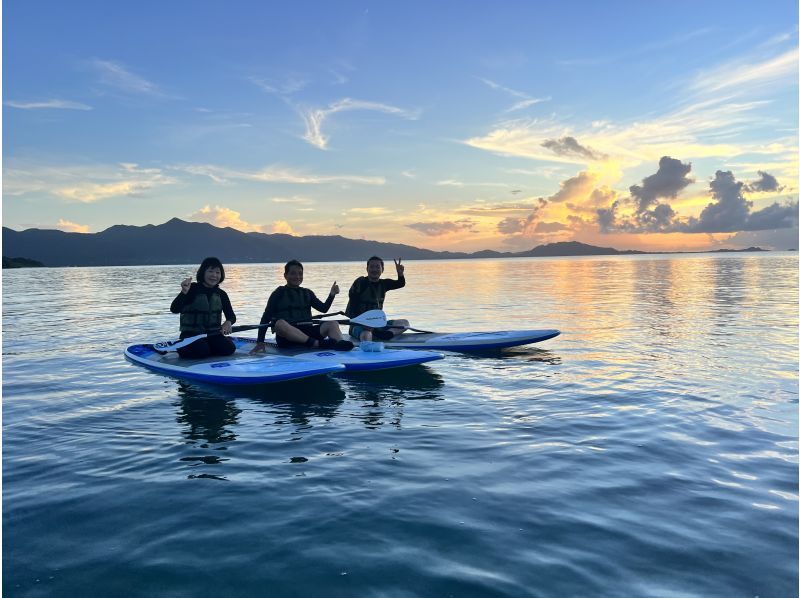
(400, 267)
(185, 284)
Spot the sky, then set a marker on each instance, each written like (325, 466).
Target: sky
(446, 125)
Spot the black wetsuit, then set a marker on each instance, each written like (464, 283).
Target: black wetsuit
(293, 304)
(366, 295)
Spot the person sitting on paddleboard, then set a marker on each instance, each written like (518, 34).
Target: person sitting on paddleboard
(289, 307)
(368, 292)
(201, 305)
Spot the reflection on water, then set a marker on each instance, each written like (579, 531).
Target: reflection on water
(672, 389)
(210, 413)
(382, 395)
(514, 354)
(207, 419)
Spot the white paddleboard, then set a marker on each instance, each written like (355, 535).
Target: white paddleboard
(469, 341)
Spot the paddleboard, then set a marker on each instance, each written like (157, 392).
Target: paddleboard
(239, 368)
(353, 361)
(469, 341)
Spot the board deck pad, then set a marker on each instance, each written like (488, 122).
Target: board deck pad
(354, 361)
(276, 365)
(239, 368)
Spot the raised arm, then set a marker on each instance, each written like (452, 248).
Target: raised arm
(319, 305)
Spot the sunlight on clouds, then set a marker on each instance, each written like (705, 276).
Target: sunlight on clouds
(84, 183)
(91, 192)
(283, 227)
(71, 227)
(296, 200)
(223, 217)
(377, 211)
(693, 130)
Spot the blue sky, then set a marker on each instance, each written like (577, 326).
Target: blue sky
(449, 125)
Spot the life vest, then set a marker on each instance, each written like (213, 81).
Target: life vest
(292, 304)
(370, 296)
(203, 314)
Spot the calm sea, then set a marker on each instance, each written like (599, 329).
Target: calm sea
(650, 450)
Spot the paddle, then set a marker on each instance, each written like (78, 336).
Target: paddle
(169, 346)
(415, 329)
(372, 319)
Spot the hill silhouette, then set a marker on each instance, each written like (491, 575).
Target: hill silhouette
(180, 242)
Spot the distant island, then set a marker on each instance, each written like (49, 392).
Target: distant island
(20, 262)
(180, 242)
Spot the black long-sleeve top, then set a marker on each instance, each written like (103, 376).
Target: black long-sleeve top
(365, 294)
(292, 304)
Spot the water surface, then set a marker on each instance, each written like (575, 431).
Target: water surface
(650, 450)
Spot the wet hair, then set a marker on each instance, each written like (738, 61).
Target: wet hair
(375, 257)
(291, 263)
(210, 262)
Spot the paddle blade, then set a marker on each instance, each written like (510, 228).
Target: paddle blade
(375, 318)
(169, 346)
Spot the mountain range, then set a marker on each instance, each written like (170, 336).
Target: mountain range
(180, 242)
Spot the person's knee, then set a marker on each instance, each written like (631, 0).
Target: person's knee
(328, 328)
(281, 326)
(366, 335)
(199, 349)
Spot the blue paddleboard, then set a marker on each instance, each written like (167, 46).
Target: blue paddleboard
(239, 368)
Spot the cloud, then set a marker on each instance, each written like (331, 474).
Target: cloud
(457, 183)
(524, 100)
(282, 227)
(550, 227)
(774, 216)
(287, 86)
(91, 192)
(601, 196)
(740, 75)
(86, 184)
(705, 123)
(576, 188)
(670, 180)
(117, 76)
(776, 240)
(499, 208)
(512, 225)
(294, 200)
(274, 174)
(71, 227)
(729, 212)
(48, 105)
(375, 211)
(765, 183)
(569, 146)
(315, 117)
(223, 217)
(436, 229)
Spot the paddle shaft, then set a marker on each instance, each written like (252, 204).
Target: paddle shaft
(168, 346)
